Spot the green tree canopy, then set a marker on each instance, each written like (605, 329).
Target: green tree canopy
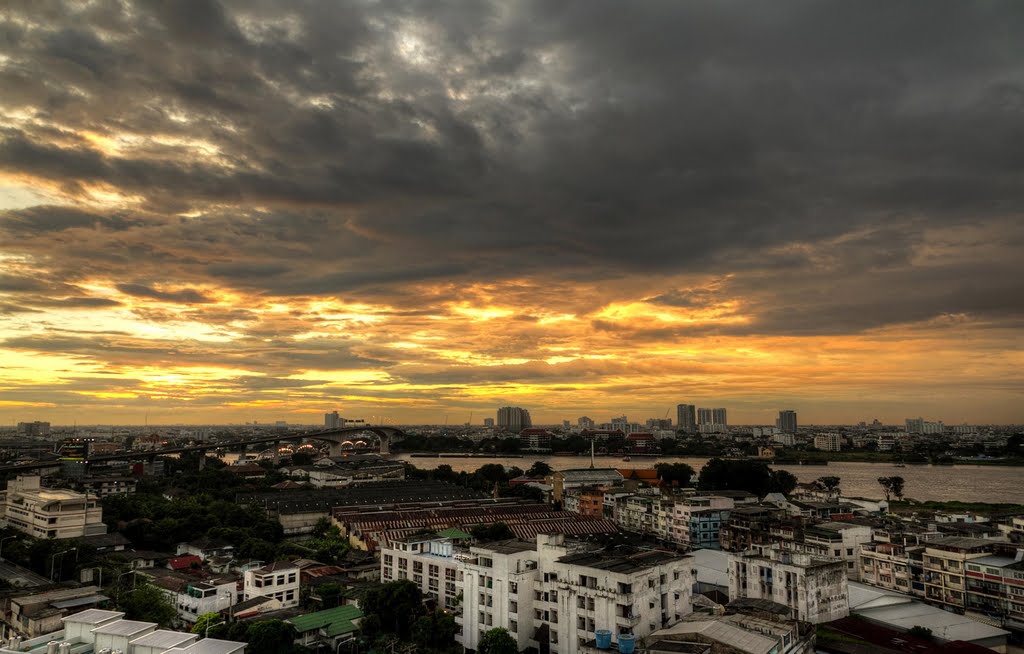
(725, 474)
(148, 603)
(492, 532)
(497, 641)
(675, 474)
(435, 631)
(396, 605)
(270, 637)
(829, 484)
(212, 621)
(539, 469)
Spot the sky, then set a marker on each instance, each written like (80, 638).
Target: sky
(418, 212)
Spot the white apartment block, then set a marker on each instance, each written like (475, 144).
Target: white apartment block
(49, 513)
(430, 562)
(205, 597)
(830, 442)
(550, 592)
(696, 520)
(814, 588)
(886, 565)
(278, 580)
(840, 540)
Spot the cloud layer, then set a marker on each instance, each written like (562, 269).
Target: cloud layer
(237, 210)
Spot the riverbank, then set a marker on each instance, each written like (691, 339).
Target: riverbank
(983, 508)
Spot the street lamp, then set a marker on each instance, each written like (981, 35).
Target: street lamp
(52, 568)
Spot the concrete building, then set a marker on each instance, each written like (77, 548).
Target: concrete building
(49, 513)
(583, 422)
(814, 588)
(686, 418)
(944, 562)
(278, 580)
(557, 594)
(514, 418)
(430, 562)
(786, 422)
(697, 521)
(712, 417)
(885, 565)
(840, 540)
(202, 597)
(829, 442)
(333, 421)
(34, 428)
(95, 630)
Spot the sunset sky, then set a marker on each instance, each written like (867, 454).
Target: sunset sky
(265, 210)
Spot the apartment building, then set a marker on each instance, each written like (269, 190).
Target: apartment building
(697, 521)
(814, 588)
(887, 565)
(995, 587)
(554, 593)
(944, 568)
(278, 580)
(49, 513)
(430, 562)
(202, 597)
(841, 540)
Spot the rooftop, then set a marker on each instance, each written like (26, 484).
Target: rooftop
(165, 639)
(123, 627)
(621, 560)
(93, 616)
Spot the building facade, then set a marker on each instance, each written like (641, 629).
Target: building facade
(814, 588)
(49, 513)
(278, 580)
(686, 418)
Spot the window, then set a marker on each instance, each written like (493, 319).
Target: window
(433, 570)
(290, 595)
(513, 587)
(257, 582)
(291, 578)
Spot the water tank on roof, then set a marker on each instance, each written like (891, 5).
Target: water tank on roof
(105, 650)
(604, 638)
(627, 643)
(65, 648)
(52, 646)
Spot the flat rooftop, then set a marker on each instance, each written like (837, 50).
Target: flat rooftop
(622, 562)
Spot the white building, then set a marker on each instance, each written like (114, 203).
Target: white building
(278, 580)
(841, 540)
(49, 513)
(560, 594)
(205, 597)
(430, 562)
(95, 630)
(814, 588)
(829, 442)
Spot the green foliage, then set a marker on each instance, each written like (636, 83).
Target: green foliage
(753, 476)
(829, 484)
(270, 637)
(892, 486)
(214, 621)
(393, 608)
(492, 532)
(675, 474)
(920, 632)
(782, 482)
(151, 521)
(498, 641)
(148, 604)
(539, 469)
(435, 632)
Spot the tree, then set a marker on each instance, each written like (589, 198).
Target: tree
(893, 486)
(396, 606)
(148, 603)
(920, 632)
(828, 484)
(675, 474)
(435, 631)
(723, 474)
(270, 637)
(782, 481)
(497, 641)
(492, 532)
(210, 624)
(539, 469)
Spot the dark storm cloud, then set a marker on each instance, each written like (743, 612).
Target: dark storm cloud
(183, 296)
(354, 149)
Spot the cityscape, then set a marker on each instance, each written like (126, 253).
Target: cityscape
(479, 327)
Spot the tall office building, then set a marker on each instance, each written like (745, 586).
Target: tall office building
(584, 422)
(686, 418)
(514, 418)
(711, 417)
(915, 425)
(333, 421)
(786, 421)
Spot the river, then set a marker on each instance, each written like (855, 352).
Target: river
(966, 483)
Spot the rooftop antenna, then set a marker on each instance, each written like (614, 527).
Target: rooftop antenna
(591, 453)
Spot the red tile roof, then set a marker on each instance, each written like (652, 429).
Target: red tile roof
(184, 562)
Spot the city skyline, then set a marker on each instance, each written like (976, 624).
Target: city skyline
(225, 212)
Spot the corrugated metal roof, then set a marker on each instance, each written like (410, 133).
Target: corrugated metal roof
(80, 601)
(165, 639)
(93, 616)
(124, 628)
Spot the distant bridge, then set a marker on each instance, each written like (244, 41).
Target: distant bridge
(337, 436)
